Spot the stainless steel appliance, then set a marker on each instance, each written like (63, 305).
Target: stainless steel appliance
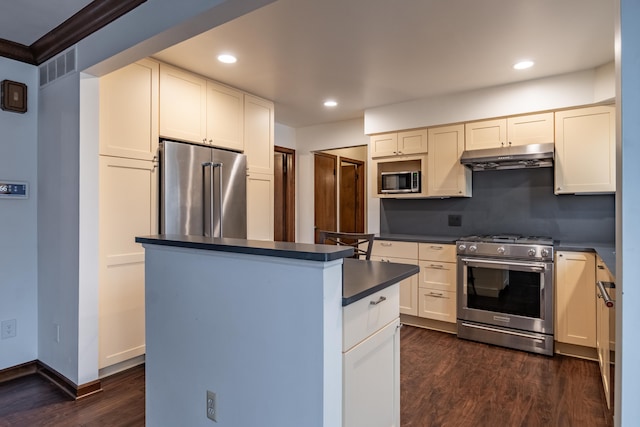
(203, 191)
(510, 157)
(505, 291)
(400, 182)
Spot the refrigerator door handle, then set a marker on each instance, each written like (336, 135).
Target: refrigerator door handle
(214, 165)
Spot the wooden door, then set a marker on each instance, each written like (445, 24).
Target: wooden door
(284, 195)
(351, 196)
(325, 193)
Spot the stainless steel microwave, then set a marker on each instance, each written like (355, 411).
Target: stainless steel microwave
(400, 182)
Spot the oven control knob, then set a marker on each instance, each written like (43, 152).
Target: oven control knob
(462, 248)
(544, 252)
(501, 250)
(531, 252)
(473, 248)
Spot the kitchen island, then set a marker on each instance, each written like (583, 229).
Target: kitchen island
(260, 324)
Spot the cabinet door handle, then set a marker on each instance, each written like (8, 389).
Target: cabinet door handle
(386, 244)
(381, 299)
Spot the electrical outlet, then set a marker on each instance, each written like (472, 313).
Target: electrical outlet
(8, 328)
(212, 410)
(455, 220)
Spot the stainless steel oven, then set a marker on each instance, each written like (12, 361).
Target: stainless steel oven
(505, 291)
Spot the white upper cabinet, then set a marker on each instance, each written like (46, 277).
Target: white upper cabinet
(258, 134)
(399, 143)
(199, 110)
(129, 111)
(225, 116)
(183, 105)
(585, 150)
(519, 130)
(447, 177)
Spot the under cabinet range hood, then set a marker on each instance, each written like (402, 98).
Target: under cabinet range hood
(512, 157)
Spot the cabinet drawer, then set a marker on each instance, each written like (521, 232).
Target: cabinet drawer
(438, 275)
(366, 316)
(388, 248)
(437, 252)
(437, 304)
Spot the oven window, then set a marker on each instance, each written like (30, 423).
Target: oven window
(504, 291)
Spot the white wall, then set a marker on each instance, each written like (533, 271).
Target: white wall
(567, 90)
(309, 139)
(285, 136)
(18, 220)
(627, 373)
(64, 219)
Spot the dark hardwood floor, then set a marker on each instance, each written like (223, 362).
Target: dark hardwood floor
(445, 381)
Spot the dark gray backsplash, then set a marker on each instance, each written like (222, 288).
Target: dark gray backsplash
(507, 201)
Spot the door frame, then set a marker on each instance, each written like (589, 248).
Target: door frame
(289, 196)
(360, 192)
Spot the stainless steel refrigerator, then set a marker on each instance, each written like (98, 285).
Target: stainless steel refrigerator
(203, 191)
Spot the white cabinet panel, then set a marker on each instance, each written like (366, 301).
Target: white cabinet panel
(129, 111)
(258, 134)
(225, 117)
(575, 298)
(371, 372)
(183, 105)
(585, 151)
(128, 208)
(260, 206)
(447, 177)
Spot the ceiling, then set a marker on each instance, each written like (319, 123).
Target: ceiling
(368, 53)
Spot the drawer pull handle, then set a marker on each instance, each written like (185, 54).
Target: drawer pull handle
(436, 294)
(381, 299)
(386, 244)
(437, 248)
(437, 266)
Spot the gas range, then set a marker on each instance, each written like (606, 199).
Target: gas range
(507, 246)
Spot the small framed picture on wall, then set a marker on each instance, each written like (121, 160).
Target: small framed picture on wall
(14, 96)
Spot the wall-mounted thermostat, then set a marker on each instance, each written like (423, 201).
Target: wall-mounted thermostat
(14, 190)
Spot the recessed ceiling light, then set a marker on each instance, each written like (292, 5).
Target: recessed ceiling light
(523, 65)
(330, 103)
(227, 59)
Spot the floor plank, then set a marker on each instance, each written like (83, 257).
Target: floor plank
(445, 381)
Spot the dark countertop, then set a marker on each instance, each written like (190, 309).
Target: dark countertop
(302, 251)
(362, 278)
(359, 278)
(607, 251)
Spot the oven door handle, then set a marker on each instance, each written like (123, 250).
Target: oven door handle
(503, 331)
(537, 267)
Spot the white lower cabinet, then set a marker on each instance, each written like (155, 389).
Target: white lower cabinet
(128, 208)
(260, 206)
(437, 284)
(371, 361)
(372, 380)
(437, 305)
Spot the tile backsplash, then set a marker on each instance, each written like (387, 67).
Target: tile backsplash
(517, 201)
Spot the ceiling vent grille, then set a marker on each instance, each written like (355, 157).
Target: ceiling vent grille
(57, 67)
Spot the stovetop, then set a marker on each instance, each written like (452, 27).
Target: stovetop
(506, 246)
(509, 238)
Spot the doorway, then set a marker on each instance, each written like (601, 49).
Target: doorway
(351, 208)
(340, 190)
(325, 193)
(284, 181)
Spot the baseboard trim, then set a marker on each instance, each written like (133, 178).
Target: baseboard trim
(63, 383)
(22, 370)
(422, 322)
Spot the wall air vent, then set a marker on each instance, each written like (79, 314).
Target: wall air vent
(58, 66)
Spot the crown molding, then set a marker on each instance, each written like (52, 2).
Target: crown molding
(90, 19)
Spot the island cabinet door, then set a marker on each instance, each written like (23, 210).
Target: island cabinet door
(371, 374)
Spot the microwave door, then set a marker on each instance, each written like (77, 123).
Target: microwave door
(390, 183)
